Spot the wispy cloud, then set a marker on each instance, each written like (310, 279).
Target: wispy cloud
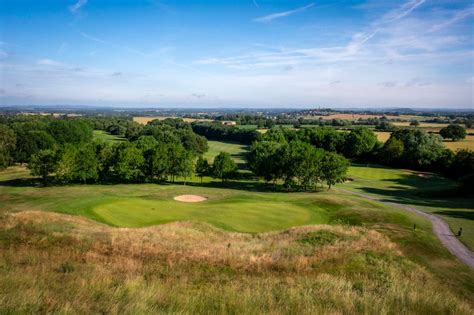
(93, 38)
(49, 62)
(458, 16)
(402, 11)
(271, 17)
(101, 41)
(256, 4)
(75, 8)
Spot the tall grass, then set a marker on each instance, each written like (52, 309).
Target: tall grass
(63, 264)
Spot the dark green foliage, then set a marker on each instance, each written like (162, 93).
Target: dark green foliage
(30, 142)
(419, 149)
(128, 163)
(264, 160)
(70, 131)
(224, 167)
(359, 142)
(43, 163)
(414, 123)
(392, 151)
(219, 132)
(296, 163)
(333, 168)
(325, 138)
(77, 163)
(202, 167)
(7, 146)
(453, 132)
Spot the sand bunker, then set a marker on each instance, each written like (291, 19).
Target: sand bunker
(190, 198)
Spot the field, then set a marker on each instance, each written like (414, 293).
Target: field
(362, 116)
(467, 143)
(145, 119)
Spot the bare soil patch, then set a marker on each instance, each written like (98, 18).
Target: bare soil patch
(190, 198)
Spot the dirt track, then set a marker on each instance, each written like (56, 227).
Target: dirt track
(440, 228)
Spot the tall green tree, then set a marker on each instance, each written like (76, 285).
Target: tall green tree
(333, 168)
(454, 132)
(202, 167)
(128, 162)
(7, 146)
(264, 160)
(360, 141)
(43, 163)
(224, 167)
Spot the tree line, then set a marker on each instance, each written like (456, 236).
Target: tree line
(163, 150)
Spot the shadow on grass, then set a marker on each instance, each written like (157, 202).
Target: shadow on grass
(21, 182)
(433, 191)
(468, 215)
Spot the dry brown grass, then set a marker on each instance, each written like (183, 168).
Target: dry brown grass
(66, 264)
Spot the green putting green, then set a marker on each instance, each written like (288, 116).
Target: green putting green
(230, 213)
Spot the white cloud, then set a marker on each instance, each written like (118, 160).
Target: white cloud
(49, 62)
(77, 6)
(271, 17)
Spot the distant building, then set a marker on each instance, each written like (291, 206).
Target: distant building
(229, 123)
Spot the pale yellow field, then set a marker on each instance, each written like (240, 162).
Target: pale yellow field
(363, 116)
(422, 124)
(467, 143)
(145, 119)
(382, 136)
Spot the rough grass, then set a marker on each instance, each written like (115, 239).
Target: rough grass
(369, 260)
(53, 263)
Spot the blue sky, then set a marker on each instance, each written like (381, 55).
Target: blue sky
(369, 53)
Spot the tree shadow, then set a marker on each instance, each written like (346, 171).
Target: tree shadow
(468, 215)
(21, 182)
(429, 191)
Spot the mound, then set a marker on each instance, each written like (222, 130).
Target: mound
(190, 198)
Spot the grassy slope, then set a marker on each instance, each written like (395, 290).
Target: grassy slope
(232, 207)
(104, 136)
(235, 149)
(418, 189)
(60, 264)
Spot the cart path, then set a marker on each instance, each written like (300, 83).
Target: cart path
(440, 228)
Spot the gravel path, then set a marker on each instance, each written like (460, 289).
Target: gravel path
(440, 228)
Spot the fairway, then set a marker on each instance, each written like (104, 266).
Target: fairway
(102, 135)
(244, 215)
(236, 150)
(423, 190)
